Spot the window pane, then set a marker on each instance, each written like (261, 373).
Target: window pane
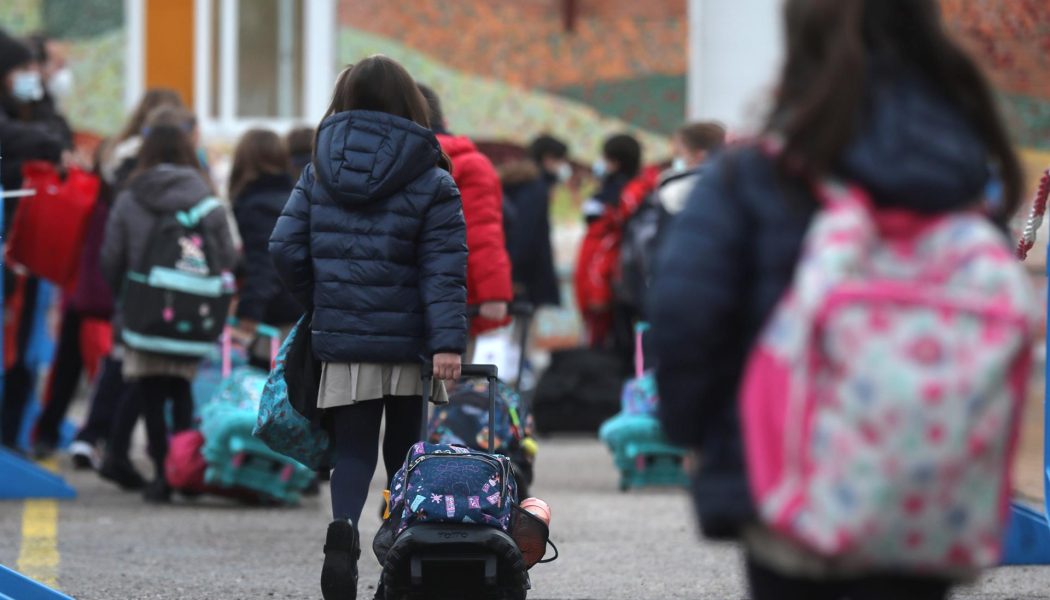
(270, 51)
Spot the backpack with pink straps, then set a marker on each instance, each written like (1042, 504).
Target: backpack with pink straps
(880, 404)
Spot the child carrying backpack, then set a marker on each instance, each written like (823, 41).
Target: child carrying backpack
(839, 326)
(168, 256)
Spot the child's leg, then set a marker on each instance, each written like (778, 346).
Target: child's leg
(182, 404)
(768, 584)
(151, 394)
(127, 409)
(355, 430)
(403, 420)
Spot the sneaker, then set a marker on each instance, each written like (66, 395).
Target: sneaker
(122, 473)
(85, 456)
(157, 492)
(342, 549)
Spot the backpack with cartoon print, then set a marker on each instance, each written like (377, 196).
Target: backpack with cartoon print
(176, 299)
(441, 483)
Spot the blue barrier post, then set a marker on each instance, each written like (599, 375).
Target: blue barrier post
(15, 586)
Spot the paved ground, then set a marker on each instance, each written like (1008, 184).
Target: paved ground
(632, 546)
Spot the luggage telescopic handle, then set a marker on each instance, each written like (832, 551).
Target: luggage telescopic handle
(489, 372)
(261, 330)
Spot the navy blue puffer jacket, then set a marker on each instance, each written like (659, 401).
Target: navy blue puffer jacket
(373, 240)
(731, 254)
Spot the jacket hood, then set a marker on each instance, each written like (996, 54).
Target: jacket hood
(168, 188)
(366, 156)
(456, 145)
(518, 172)
(915, 149)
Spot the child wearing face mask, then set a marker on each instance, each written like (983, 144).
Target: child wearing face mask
(624, 185)
(527, 188)
(27, 132)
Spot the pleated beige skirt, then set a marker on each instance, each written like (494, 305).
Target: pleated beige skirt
(343, 384)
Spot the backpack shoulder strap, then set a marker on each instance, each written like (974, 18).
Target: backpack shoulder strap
(193, 216)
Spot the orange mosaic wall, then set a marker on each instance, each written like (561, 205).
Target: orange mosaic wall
(524, 42)
(1011, 38)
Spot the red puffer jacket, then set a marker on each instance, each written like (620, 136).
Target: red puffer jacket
(488, 265)
(599, 256)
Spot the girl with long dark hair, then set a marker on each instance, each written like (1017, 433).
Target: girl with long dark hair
(874, 92)
(167, 179)
(373, 242)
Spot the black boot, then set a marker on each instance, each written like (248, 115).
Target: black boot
(122, 473)
(157, 492)
(342, 548)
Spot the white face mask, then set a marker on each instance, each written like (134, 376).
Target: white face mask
(564, 172)
(61, 83)
(678, 165)
(26, 87)
(599, 168)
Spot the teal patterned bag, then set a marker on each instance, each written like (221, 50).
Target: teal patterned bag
(278, 424)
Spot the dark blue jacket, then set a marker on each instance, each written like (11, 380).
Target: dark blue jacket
(263, 297)
(526, 198)
(730, 256)
(373, 240)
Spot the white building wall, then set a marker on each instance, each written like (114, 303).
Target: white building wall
(734, 55)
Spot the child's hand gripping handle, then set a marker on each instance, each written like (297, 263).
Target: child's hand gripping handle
(488, 372)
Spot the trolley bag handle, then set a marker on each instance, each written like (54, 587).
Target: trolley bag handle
(261, 330)
(488, 372)
(639, 351)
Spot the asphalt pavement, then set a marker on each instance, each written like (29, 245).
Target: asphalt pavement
(635, 545)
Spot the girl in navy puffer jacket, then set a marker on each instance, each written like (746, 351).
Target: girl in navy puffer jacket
(898, 109)
(373, 241)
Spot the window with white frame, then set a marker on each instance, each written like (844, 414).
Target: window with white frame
(262, 62)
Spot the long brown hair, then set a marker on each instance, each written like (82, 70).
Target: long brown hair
(166, 140)
(151, 100)
(380, 84)
(259, 152)
(824, 80)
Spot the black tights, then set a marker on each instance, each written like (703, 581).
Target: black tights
(767, 584)
(148, 396)
(355, 431)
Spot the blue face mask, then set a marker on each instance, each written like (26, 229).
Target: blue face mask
(678, 165)
(599, 168)
(27, 87)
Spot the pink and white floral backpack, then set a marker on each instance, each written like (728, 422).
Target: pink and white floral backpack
(880, 404)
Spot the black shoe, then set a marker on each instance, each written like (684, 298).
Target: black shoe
(157, 492)
(43, 450)
(342, 548)
(122, 473)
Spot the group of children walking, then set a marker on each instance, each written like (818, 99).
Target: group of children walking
(394, 226)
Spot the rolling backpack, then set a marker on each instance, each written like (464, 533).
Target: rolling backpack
(880, 404)
(641, 452)
(176, 298)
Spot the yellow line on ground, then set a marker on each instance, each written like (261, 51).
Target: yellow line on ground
(38, 555)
